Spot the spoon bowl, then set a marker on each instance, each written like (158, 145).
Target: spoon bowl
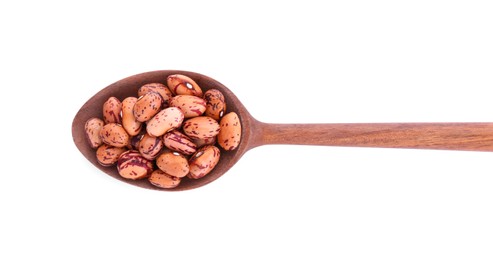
(128, 87)
(444, 136)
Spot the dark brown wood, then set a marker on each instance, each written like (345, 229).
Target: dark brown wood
(445, 136)
(450, 136)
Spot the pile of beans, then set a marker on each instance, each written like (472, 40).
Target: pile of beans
(164, 133)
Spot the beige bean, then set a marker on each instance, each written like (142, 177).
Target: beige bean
(191, 106)
(108, 155)
(230, 134)
(92, 128)
(162, 180)
(183, 85)
(115, 135)
(150, 146)
(132, 165)
(129, 122)
(147, 106)
(201, 127)
(159, 88)
(179, 142)
(203, 161)
(215, 104)
(173, 163)
(112, 111)
(164, 121)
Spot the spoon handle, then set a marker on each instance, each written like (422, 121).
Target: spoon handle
(444, 136)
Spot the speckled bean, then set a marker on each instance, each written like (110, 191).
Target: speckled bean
(132, 165)
(179, 142)
(191, 106)
(108, 155)
(147, 106)
(201, 127)
(164, 121)
(131, 125)
(173, 163)
(92, 128)
(203, 161)
(150, 146)
(183, 85)
(230, 134)
(159, 88)
(162, 180)
(112, 111)
(115, 135)
(215, 104)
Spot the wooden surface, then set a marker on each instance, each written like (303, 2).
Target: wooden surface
(445, 136)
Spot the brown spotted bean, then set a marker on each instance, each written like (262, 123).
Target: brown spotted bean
(179, 142)
(183, 85)
(132, 165)
(147, 106)
(162, 180)
(230, 134)
(191, 106)
(164, 121)
(93, 128)
(115, 135)
(111, 111)
(129, 122)
(150, 146)
(159, 88)
(108, 155)
(203, 161)
(216, 105)
(201, 127)
(173, 163)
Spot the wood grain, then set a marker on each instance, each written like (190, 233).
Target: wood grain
(445, 136)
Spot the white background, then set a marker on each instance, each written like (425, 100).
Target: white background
(289, 62)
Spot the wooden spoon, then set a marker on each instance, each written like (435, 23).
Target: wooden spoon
(446, 136)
